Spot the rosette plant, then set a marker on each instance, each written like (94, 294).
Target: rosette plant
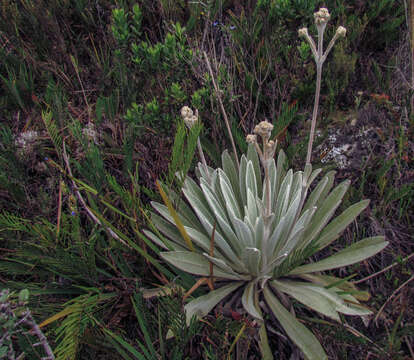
(253, 228)
(254, 232)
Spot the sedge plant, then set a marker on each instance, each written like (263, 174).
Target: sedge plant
(251, 228)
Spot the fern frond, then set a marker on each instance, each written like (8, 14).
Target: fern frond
(53, 131)
(79, 314)
(14, 223)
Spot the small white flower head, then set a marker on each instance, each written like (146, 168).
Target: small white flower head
(190, 120)
(251, 139)
(186, 112)
(303, 32)
(322, 16)
(270, 149)
(341, 31)
(25, 142)
(264, 129)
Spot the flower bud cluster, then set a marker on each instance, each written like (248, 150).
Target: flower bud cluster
(341, 31)
(321, 19)
(188, 116)
(322, 16)
(264, 130)
(303, 32)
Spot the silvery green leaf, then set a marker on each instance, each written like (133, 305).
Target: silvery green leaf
(297, 332)
(254, 158)
(260, 207)
(252, 259)
(349, 305)
(243, 232)
(313, 296)
(290, 219)
(251, 210)
(258, 233)
(204, 242)
(201, 208)
(350, 255)
(306, 173)
(202, 171)
(242, 179)
(167, 229)
(325, 212)
(273, 177)
(163, 210)
(222, 244)
(275, 238)
(216, 190)
(250, 179)
(222, 220)
(313, 176)
(221, 264)
(283, 196)
(320, 191)
(264, 343)
(213, 197)
(352, 309)
(164, 243)
(343, 288)
(316, 296)
(183, 209)
(331, 177)
(249, 302)
(204, 304)
(280, 173)
(340, 223)
(296, 233)
(230, 169)
(315, 194)
(196, 199)
(195, 263)
(297, 185)
(229, 196)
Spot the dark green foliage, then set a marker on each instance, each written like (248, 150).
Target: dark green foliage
(107, 79)
(164, 333)
(182, 153)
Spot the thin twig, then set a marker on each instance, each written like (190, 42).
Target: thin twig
(81, 85)
(29, 321)
(384, 270)
(410, 348)
(392, 295)
(412, 52)
(83, 203)
(223, 111)
(59, 215)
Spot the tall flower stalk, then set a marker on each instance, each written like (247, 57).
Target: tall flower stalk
(321, 19)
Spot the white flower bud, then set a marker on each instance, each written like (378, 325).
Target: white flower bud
(322, 16)
(251, 139)
(341, 31)
(190, 120)
(303, 32)
(186, 112)
(263, 129)
(270, 149)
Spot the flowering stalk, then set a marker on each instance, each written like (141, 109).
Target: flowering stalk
(190, 119)
(321, 19)
(264, 130)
